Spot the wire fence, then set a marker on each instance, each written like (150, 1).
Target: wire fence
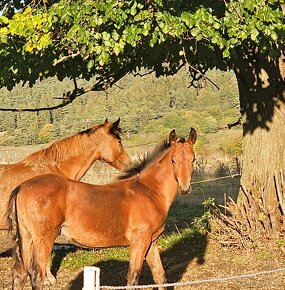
(92, 282)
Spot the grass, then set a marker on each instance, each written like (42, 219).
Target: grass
(86, 257)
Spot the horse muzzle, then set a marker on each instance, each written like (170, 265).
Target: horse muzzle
(185, 190)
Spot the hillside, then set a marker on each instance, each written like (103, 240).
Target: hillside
(149, 108)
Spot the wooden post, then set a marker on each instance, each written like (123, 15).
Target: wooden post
(91, 278)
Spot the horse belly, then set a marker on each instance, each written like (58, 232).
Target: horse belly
(95, 238)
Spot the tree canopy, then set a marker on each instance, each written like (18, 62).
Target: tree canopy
(108, 39)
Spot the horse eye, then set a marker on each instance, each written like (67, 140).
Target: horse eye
(173, 161)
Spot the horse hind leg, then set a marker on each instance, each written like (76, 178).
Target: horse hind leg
(40, 267)
(23, 257)
(19, 275)
(51, 279)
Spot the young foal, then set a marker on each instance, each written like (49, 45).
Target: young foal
(70, 157)
(128, 212)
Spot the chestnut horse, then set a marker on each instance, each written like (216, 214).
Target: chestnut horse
(70, 157)
(130, 211)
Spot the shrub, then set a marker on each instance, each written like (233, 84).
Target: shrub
(45, 133)
(209, 125)
(232, 146)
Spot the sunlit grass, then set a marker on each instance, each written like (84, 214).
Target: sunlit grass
(85, 257)
(166, 242)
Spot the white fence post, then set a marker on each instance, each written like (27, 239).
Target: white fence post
(91, 278)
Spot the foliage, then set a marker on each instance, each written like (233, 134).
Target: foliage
(84, 38)
(209, 125)
(44, 133)
(232, 145)
(203, 223)
(149, 108)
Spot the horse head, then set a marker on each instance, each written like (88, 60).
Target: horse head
(182, 159)
(113, 151)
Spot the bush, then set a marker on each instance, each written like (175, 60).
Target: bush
(232, 146)
(209, 125)
(45, 133)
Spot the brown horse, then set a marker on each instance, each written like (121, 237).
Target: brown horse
(70, 157)
(130, 211)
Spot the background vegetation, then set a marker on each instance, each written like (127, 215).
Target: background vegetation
(149, 108)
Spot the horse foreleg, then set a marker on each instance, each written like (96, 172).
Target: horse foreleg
(154, 262)
(139, 246)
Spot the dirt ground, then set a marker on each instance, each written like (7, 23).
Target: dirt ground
(192, 259)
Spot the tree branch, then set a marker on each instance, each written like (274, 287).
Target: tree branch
(102, 84)
(66, 57)
(238, 122)
(197, 71)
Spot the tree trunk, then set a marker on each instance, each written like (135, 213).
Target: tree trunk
(261, 83)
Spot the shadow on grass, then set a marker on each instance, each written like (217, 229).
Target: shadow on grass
(175, 261)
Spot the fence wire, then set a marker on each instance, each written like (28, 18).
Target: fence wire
(197, 282)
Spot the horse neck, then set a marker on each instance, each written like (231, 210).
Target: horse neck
(160, 178)
(78, 163)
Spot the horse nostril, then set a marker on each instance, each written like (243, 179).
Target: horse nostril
(189, 189)
(185, 190)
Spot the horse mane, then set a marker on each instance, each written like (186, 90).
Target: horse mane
(71, 146)
(143, 162)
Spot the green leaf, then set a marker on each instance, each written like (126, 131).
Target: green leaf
(216, 25)
(105, 57)
(4, 20)
(108, 43)
(153, 39)
(133, 10)
(106, 36)
(115, 35)
(90, 64)
(117, 49)
(273, 35)
(199, 37)
(226, 53)
(195, 31)
(185, 17)
(254, 34)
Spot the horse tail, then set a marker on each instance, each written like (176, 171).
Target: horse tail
(10, 215)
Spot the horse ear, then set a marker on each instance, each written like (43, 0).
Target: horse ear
(172, 137)
(116, 124)
(192, 136)
(106, 121)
